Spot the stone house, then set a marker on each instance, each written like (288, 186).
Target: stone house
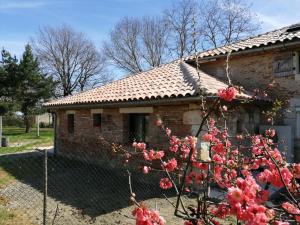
(125, 110)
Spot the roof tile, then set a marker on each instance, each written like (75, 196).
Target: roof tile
(175, 79)
(280, 35)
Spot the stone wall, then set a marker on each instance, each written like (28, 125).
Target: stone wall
(256, 70)
(97, 142)
(114, 129)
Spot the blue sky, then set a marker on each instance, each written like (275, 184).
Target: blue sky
(20, 19)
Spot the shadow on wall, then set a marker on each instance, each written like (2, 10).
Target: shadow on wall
(93, 189)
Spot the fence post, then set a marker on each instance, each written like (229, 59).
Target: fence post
(38, 125)
(0, 131)
(45, 187)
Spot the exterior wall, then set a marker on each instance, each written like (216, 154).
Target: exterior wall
(114, 129)
(257, 71)
(97, 142)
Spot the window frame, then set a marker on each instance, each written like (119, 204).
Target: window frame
(71, 128)
(134, 129)
(100, 120)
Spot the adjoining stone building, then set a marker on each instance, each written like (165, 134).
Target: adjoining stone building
(258, 61)
(125, 110)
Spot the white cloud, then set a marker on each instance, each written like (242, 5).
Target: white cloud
(271, 22)
(10, 5)
(277, 13)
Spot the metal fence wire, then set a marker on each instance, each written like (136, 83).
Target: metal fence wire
(38, 188)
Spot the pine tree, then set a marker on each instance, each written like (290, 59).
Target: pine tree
(32, 86)
(8, 73)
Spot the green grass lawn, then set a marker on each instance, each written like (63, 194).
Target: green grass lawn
(20, 141)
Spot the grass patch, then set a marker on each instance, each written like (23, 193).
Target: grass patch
(5, 178)
(8, 217)
(20, 141)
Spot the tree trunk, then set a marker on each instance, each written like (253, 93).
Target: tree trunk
(27, 123)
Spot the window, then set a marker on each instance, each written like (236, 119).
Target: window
(138, 127)
(71, 123)
(296, 65)
(96, 119)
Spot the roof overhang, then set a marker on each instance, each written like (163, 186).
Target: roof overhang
(152, 102)
(279, 46)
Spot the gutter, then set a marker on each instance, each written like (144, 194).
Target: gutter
(165, 101)
(168, 101)
(55, 127)
(246, 51)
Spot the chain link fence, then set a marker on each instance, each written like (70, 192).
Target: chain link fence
(38, 188)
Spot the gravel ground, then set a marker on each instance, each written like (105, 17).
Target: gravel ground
(30, 201)
(79, 193)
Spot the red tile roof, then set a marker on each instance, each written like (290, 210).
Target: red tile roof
(281, 35)
(175, 79)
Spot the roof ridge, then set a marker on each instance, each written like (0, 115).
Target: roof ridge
(177, 80)
(282, 30)
(123, 78)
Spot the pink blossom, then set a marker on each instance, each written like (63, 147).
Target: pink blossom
(221, 211)
(144, 216)
(152, 155)
(201, 166)
(290, 208)
(218, 159)
(227, 94)
(170, 165)
(219, 148)
(235, 195)
(207, 137)
(165, 183)
(281, 223)
(270, 132)
(168, 131)
(146, 169)
(296, 170)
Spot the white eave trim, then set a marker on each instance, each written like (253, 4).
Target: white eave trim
(70, 112)
(96, 111)
(136, 110)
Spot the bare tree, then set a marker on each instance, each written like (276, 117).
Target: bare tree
(70, 58)
(209, 17)
(154, 35)
(180, 19)
(217, 22)
(124, 49)
(137, 44)
(225, 21)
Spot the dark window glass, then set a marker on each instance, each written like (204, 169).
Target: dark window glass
(71, 123)
(138, 127)
(96, 119)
